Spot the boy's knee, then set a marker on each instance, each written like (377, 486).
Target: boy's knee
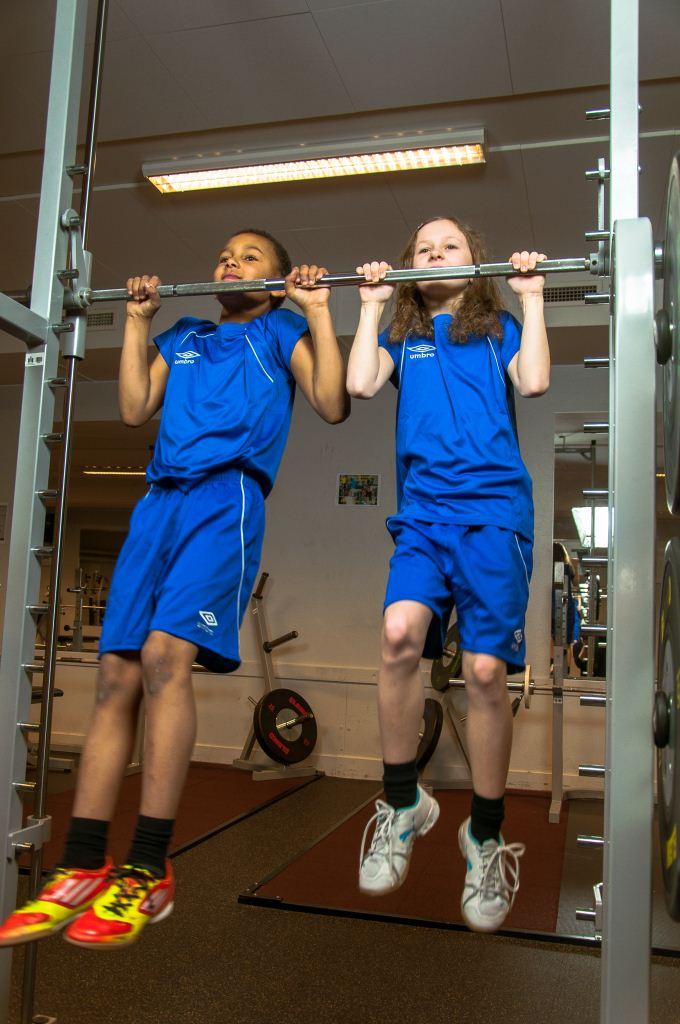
(164, 659)
(118, 680)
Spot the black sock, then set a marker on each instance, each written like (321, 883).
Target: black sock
(85, 844)
(486, 818)
(150, 843)
(401, 784)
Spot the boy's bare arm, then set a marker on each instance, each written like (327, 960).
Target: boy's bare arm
(140, 387)
(317, 362)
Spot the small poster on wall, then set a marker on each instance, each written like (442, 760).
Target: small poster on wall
(358, 489)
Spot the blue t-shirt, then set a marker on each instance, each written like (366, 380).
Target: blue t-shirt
(229, 398)
(458, 457)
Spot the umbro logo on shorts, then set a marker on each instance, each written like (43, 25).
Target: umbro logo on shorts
(518, 635)
(422, 351)
(187, 357)
(209, 620)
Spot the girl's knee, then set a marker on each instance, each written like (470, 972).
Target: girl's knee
(486, 674)
(400, 640)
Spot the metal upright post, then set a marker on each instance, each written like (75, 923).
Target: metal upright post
(93, 119)
(26, 544)
(559, 599)
(78, 590)
(73, 349)
(592, 577)
(625, 979)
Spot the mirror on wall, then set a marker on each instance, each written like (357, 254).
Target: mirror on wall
(580, 530)
(107, 479)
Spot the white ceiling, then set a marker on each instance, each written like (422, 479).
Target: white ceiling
(216, 75)
(176, 66)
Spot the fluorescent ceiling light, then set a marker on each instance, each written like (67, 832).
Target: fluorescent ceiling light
(377, 155)
(582, 518)
(114, 471)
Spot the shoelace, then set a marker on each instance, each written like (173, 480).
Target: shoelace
(383, 818)
(500, 876)
(131, 884)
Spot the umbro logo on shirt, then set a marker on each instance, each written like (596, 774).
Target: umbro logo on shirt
(421, 351)
(187, 358)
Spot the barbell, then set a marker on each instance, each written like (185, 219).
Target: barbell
(525, 688)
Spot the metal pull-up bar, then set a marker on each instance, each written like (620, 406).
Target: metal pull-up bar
(86, 296)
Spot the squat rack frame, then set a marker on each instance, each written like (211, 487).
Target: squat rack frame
(628, 774)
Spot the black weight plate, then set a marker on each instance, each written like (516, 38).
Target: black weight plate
(668, 685)
(284, 742)
(450, 665)
(661, 720)
(671, 370)
(430, 731)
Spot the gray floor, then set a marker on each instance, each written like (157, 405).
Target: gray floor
(215, 960)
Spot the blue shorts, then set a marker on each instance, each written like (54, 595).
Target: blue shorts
(484, 571)
(187, 567)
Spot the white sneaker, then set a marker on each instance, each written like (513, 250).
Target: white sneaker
(385, 867)
(491, 882)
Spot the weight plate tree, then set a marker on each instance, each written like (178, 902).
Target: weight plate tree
(450, 665)
(430, 731)
(285, 726)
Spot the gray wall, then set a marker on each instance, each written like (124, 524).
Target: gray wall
(328, 567)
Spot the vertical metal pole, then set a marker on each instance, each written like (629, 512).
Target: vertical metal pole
(592, 587)
(93, 118)
(559, 599)
(78, 590)
(625, 980)
(28, 517)
(601, 207)
(49, 673)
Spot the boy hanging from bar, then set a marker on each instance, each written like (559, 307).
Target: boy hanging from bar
(187, 568)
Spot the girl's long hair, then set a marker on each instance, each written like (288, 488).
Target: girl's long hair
(480, 305)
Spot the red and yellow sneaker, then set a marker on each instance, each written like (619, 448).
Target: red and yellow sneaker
(135, 897)
(67, 894)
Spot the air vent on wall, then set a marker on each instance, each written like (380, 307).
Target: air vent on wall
(568, 293)
(101, 321)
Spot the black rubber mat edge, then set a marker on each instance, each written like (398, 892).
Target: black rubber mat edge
(249, 897)
(243, 817)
